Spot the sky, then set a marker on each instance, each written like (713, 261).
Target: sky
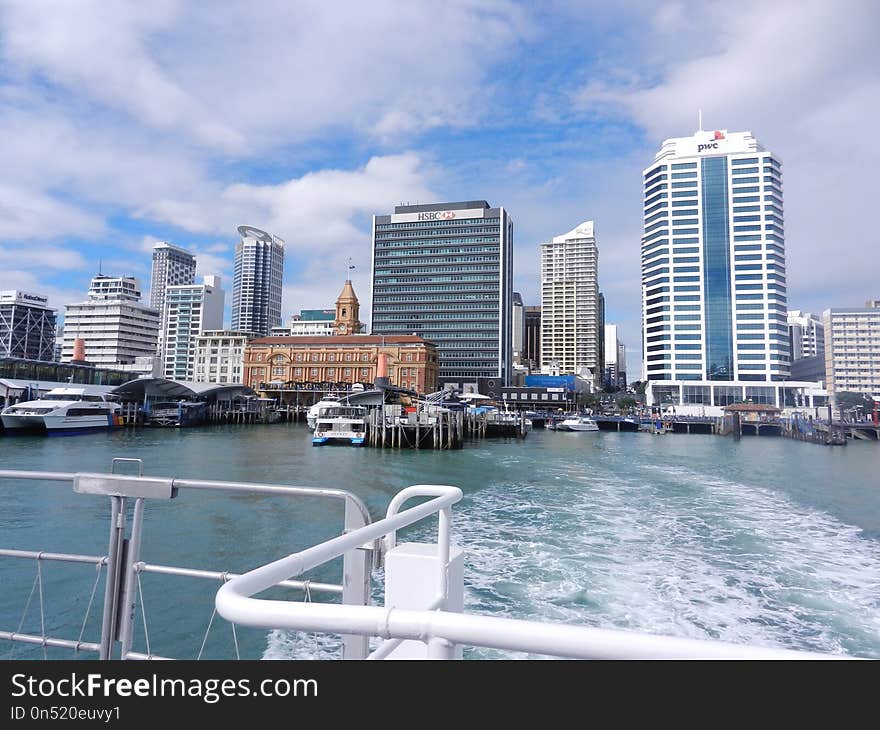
(126, 123)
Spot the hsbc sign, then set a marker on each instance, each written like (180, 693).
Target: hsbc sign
(437, 215)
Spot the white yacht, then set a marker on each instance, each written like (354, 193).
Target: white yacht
(578, 423)
(62, 410)
(342, 424)
(327, 401)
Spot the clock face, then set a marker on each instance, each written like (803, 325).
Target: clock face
(341, 328)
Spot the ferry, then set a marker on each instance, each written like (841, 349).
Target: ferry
(579, 423)
(328, 401)
(341, 425)
(177, 414)
(71, 409)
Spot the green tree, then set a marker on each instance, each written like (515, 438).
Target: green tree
(624, 403)
(639, 386)
(848, 400)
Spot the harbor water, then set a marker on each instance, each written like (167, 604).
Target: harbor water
(762, 541)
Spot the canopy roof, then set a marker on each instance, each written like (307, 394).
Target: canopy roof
(177, 389)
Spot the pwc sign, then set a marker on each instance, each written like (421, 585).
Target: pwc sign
(711, 144)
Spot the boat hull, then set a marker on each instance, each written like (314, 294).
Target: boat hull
(60, 424)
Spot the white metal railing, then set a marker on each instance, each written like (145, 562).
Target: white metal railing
(441, 630)
(123, 566)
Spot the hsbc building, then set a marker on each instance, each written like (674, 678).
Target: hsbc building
(444, 271)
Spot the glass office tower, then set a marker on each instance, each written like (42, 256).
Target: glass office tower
(714, 292)
(445, 272)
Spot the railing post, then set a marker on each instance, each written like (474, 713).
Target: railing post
(133, 556)
(355, 582)
(111, 589)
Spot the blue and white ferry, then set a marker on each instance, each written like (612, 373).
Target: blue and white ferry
(341, 424)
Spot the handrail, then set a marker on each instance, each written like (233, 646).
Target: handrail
(234, 599)
(235, 602)
(124, 565)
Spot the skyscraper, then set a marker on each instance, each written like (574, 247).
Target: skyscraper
(615, 358)
(518, 325)
(257, 279)
(570, 308)
(532, 343)
(713, 262)
(806, 335)
(190, 310)
(445, 272)
(172, 266)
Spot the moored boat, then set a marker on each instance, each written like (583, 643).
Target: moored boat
(579, 423)
(72, 409)
(341, 425)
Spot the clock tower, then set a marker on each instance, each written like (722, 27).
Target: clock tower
(347, 310)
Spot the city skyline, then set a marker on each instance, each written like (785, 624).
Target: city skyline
(101, 168)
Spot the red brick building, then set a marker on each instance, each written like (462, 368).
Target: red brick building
(273, 364)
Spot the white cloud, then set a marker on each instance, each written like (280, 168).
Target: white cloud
(312, 212)
(31, 215)
(28, 281)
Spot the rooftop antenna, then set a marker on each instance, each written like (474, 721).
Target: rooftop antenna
(700, 113)
(350, 268)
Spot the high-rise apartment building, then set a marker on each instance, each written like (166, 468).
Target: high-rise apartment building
(445, 272)
(518, 325)
(532, 342)
(713, 262)
(190, 309)
(115, 327)
(806, 335)
(570, 316)
(615, 358)
(172, 266)
(257, 281)
(27, 326)
(852, 350)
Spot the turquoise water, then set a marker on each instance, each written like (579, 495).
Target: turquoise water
(763, 541)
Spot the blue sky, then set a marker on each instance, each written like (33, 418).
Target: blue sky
(125, 123)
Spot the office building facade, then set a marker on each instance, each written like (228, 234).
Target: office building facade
(27, 326)
(257, 280)
(444, 272)
(852, 350)
(220, 356)
(714, 297)
(570, 305)
(115, 327)
(532, 341)
(189, 311)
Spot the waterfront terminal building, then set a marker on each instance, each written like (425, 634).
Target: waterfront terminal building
(277, 367)
(27, 326)
(708, 398)
(444, 272)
